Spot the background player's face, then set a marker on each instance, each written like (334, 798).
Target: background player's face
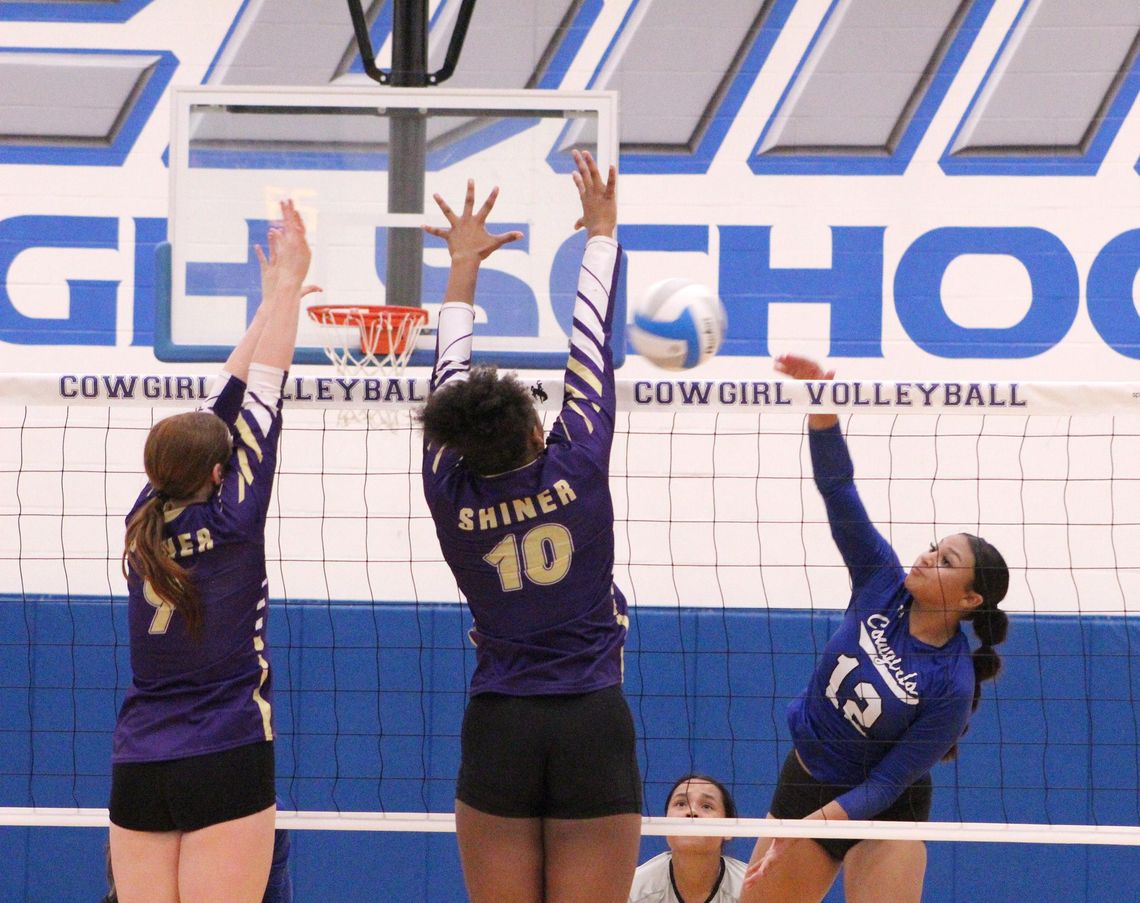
(696, 799)
(942, 577)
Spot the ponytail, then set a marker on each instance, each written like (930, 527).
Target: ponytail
(179, 457)
(146, 551)
(991, 624)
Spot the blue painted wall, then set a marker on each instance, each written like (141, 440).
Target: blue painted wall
(1054, 741)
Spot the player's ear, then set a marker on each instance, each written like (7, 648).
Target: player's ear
(216, 475)
(537, 435)
(971, 601)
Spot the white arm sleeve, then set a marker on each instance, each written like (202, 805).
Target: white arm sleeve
(454, 328)
(262, 394)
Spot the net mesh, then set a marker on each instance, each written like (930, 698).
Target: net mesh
(722, 549)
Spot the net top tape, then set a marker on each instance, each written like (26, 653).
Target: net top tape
(660, 395)
(444, 822)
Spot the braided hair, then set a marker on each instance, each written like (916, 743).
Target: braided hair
(991, 624)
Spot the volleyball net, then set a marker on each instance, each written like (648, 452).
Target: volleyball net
(723, 550)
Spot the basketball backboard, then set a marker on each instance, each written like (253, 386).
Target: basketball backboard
(235, 153)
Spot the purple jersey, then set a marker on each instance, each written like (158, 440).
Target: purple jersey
(190, 697)
(533, 549)
(882, 706)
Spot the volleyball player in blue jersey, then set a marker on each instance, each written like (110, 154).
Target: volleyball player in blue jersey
(891, 695)
(192, 788)
(549, 793)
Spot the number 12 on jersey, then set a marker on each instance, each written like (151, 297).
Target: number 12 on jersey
(545, 559)
(861, 716)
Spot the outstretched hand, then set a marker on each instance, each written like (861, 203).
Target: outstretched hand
(289, 255)
(467, 236)
(758, 870)
(599, 198)
(799, 367)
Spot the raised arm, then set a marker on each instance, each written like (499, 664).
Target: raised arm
(237, 364)
(599, 197)
(798, 367)
(228, 392)
(469, 244)
(283, 276)
(588, 404)
(865, 552)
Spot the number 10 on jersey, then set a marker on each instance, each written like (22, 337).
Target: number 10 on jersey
(546, 551)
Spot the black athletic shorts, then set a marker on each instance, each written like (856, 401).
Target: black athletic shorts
(195, 792)
(550, 756)
(799, 794)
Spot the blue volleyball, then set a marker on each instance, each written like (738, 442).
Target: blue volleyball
(678, 324)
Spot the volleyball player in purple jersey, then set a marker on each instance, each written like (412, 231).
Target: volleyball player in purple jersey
(192, 788)
(548, 798)
(891, 695)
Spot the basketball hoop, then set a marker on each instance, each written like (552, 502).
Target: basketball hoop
(369, 340)
(372, 339)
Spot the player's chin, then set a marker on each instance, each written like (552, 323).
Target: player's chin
(692, 843)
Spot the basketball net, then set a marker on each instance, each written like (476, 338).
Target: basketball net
(369, 341)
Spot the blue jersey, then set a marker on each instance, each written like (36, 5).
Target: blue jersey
(882, 706)
(532, 550)
(194, 696)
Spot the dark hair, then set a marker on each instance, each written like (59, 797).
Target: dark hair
(179, 454)
(729, 802)
(487, 418)
(991, 624)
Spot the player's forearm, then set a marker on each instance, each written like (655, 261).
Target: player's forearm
(597, 278)
(454, 327)
(461, 279)
(237, 364)
(589, 369)
(278, 338)
(833, 811)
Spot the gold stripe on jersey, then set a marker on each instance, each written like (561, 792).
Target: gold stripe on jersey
(245, 473)
(623, 621)
(243, 465)
(247, 436)
(573, 406)
(266, 710)
(585, 374)
(438, 455)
